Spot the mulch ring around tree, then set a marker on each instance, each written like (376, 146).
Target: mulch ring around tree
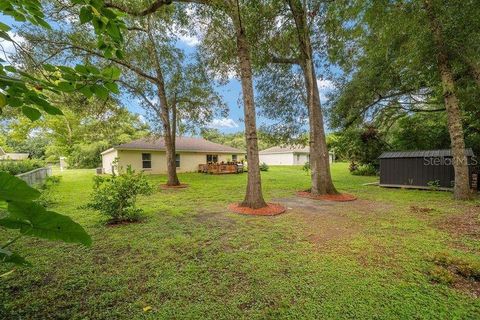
(339, 197)
(167, 187)
(272, 209)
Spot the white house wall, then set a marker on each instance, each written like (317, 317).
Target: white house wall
(277, 159)
(285, 159)
(300, 158)
(189, 161)
(107, 161)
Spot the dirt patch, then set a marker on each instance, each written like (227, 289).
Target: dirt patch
(214, 219)
(272, 209)
(322, 222)
(457, 272)
(465, 224)
(114, 224)
(340, 197)
(167, 187)
(470, 287)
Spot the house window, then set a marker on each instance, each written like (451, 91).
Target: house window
(298, 158)
(212, 158)
(234, 157)
(177, 160)
(146, 160)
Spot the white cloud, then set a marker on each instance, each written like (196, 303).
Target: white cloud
(325, 84)
(223, 123)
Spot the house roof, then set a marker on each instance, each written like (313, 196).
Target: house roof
(191, 144)
(422, 154)
(286, 149)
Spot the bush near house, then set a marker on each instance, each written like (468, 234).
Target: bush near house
(115, 196)
(264, 167)
(20, 166)
(365, 170)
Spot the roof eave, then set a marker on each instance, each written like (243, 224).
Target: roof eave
(178, 150)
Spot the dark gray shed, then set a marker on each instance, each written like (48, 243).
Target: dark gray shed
(419, 169)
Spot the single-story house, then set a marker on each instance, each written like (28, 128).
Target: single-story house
(423, 169)
(290, 155)
(149, 155)
(13, 155)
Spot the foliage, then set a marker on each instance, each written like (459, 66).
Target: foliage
(307, 168)
(88, 127)
(434, 185)
(35, 147)
(47, 189)
(237, 139)
(419, 131)
(27, 91)
(391, 76)
(87, 155)
(365, 170)
(15, 167)
(362, 145)
(115, 196)
(264, 167)
(31, 219)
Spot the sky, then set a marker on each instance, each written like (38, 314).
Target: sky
(230, 92)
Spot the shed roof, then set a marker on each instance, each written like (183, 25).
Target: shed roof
(191, 144)
(422, 154)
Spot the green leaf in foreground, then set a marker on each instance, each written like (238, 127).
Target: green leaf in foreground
(7, 256)
(34, 220)
(15, 189)
(31, 113)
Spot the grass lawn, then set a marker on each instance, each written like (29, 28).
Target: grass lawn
(192, 259)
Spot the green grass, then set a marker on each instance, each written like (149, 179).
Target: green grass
(192, 259)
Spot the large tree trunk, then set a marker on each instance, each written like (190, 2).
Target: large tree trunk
(171, 161)
(460, 165)
(164, 113)
(171, 148)
(253, 197)
(319, 158)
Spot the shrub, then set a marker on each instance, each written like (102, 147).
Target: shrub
(87, 155)
(264, 167)
(115, 196)
(15, 167)
(434, 185)
(365, 170)
(306, 167)
(353, 166)
(47, 194)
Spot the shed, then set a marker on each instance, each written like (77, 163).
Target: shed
(421, 169)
